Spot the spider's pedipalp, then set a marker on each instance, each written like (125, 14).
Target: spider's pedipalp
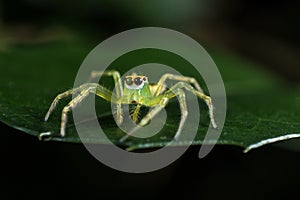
(135, 114)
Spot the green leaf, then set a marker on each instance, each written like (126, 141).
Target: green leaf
(261, 109)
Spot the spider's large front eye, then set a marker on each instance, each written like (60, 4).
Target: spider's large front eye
(129, 81)
(138, 81)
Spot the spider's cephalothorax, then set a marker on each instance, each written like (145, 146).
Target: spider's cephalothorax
(137, 91)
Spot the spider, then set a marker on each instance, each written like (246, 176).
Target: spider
(137, 91)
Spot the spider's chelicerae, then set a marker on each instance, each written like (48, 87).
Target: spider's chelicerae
(137, 91)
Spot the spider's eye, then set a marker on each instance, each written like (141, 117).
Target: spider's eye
(129, 81)
(138, 81)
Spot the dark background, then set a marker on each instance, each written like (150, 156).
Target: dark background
(265, 32)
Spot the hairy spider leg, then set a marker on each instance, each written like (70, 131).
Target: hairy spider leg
(159, 102)
(161, 83)
(184, 111)
(118, 85)
(198, 92)
(201, 95)
(83, 90)
(58, 98)
(116, 76)
(72, 104)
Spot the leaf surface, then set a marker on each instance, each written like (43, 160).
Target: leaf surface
(261, 109)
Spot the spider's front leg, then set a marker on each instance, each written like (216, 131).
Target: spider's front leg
(118, 85)
(160, 85)
(83, 91)
(58, 98)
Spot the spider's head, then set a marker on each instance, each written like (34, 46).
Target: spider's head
(135, 82)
